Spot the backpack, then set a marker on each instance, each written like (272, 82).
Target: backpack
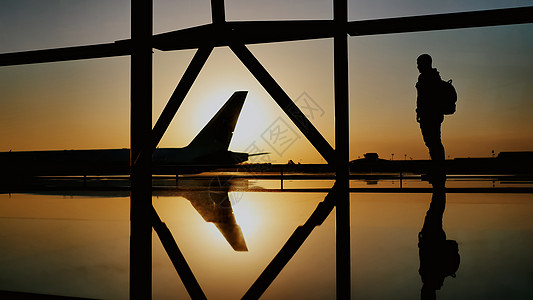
(438, 260)
(448, 97)
(450, 258)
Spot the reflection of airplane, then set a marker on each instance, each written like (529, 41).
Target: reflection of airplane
(215, 207)
(207, 149)
(211, 199)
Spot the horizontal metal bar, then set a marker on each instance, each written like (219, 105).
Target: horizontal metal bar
(246, 32)
(24, 295)
(256, 32)
(64, 54)
(495, 17)
(122, 190)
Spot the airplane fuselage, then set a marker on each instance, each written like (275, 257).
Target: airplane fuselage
(112, 161)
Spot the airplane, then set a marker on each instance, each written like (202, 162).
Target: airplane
(206, 151)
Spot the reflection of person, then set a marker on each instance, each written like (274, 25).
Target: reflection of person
(428, 110)
(439, 257)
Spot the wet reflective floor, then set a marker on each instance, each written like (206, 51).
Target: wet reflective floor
(75, 244)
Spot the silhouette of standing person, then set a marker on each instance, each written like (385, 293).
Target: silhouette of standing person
(429, 113)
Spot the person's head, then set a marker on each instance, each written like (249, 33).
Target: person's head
(424, 62)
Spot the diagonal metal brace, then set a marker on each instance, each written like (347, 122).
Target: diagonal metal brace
(284, 101)
(292, 245)
(177, 258)
(183, 87)
(175, 101)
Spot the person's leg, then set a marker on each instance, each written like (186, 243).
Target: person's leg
(431, 134)
(432, 138)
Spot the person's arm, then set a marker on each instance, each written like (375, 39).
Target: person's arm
(418, 102)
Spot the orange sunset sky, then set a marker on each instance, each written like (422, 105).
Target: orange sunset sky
(85, 104)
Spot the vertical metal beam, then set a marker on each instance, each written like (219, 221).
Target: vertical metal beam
(342, 139)
(218, 13)
(141, 128)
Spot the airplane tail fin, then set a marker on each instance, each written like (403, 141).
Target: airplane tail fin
(217, 134)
